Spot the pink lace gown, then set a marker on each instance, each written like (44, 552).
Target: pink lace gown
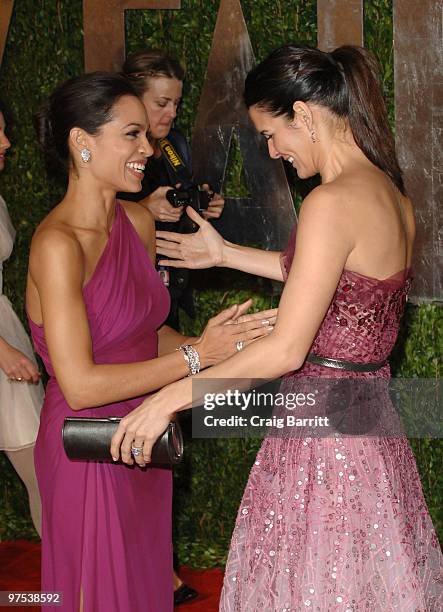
(107, 527)
(337, 523)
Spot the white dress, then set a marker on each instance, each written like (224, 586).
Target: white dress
(20, 403)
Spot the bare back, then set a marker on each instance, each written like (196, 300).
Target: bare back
(380, 220)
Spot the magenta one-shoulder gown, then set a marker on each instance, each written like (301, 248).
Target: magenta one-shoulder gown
(107, 527)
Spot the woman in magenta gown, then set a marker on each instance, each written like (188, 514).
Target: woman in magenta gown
(119, 514)
(329, 522)
(96, 306)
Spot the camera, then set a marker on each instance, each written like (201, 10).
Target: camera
(194, 196)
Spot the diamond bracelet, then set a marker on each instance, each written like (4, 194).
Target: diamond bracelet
(192, 358)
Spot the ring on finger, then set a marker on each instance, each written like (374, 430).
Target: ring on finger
(19, 378)
(239, 346)
(136, 450)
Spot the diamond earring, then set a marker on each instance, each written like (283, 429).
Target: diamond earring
(85, 155)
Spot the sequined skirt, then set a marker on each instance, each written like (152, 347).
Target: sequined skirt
(334, 523)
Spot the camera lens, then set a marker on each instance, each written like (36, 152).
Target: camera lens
(178, 197)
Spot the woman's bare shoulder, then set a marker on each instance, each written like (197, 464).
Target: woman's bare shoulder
(54, 241)
(56, 264)
(138, 215)
(325, 203)
(142, 220)
(54, 231)
(322, 220)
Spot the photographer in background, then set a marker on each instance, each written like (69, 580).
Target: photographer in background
(159, 79)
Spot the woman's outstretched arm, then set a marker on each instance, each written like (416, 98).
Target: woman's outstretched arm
(206, 249)
(324, 241)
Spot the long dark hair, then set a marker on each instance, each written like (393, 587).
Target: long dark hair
(142, 65)
(344, 81)
(85, 102)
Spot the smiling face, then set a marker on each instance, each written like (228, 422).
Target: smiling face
(4, 141)
(161, 101)
(120, 151)
(289, 139)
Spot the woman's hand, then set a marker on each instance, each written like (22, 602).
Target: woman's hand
(231, 330)
(215, 206)
(16, 365)
(143, 426)
(160, 208)
(203, 249)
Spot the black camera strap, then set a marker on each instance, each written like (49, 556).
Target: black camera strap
(177, 169)
(178, 172)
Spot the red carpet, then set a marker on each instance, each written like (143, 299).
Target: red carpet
(20, 570)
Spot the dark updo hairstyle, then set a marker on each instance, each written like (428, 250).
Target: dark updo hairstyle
(142, 65)
(344, 81)
(85, 102)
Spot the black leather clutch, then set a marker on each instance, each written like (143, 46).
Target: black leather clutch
(89, 439)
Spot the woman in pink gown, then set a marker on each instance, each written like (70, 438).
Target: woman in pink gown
(328, 522)
(95, 303)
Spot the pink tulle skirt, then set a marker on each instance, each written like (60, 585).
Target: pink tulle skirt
(334, 524)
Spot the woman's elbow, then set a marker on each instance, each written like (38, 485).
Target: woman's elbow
(293, 361)
(292, 357)
(79, 387)
(77, 396)
(76, 401)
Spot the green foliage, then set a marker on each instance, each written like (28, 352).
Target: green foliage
(187, 34)
(45, 47)
(378, 38)
(207, 492)
(235, 184)
(15, 520)
(419, 354)
(420, 347)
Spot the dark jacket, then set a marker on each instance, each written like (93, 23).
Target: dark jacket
(157, 174)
